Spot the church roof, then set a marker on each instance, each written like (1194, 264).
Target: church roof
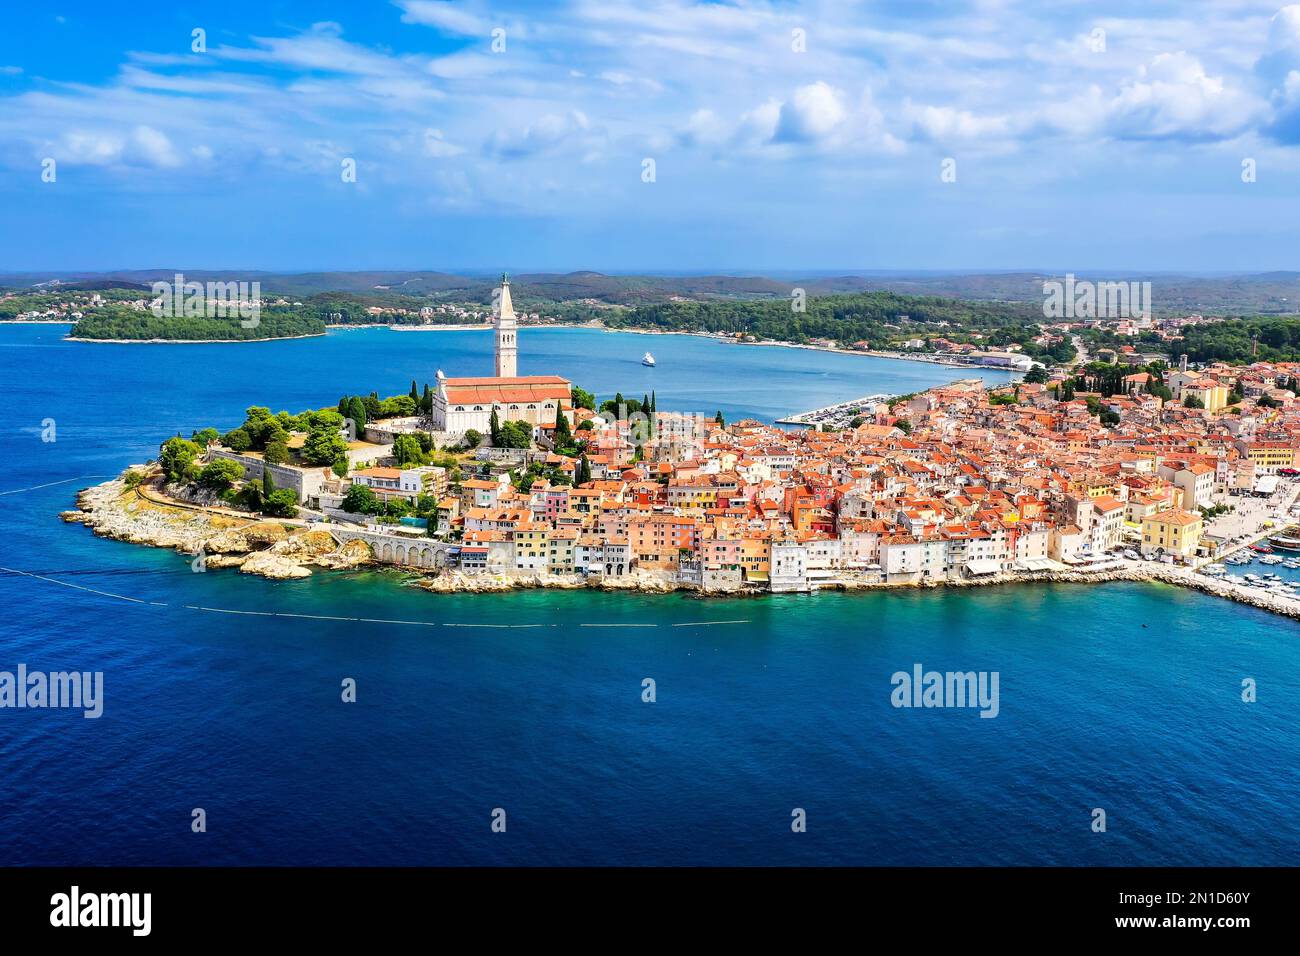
(523, 388)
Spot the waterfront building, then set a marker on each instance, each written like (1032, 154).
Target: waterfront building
(1173, 533)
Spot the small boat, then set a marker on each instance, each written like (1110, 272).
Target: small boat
(1261, 549)
(648, 359)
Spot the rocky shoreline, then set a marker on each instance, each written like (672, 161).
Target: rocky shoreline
(284, 551)
(270, 548)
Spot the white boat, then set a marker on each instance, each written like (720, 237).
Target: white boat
(648, 359)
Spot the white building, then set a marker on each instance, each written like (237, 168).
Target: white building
(461, 404)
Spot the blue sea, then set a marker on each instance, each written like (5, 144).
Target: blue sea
(1123, 697)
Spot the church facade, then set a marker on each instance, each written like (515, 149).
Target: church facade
(460, 404)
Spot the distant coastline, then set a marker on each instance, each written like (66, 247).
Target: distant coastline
(484, 327)
(269, 338)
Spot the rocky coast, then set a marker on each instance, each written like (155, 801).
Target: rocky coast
(286, 550)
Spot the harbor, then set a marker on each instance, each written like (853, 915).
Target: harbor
(842, 414)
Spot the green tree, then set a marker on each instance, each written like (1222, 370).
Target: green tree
(176, 457)
(1191, 401)
(473, 438)
(583, 472)
(221, 474)
(282, 503)
(268, 483)
(360, 500)
(516, 435)
(357, 412)
(494, 429)
(563, 436)
(407, 450)
(237, 439)
(583, 398)
(205, 435)
(324, 445)
(277, 453)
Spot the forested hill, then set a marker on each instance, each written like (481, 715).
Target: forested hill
(122, 325)
(1262, 338)
(882, 319)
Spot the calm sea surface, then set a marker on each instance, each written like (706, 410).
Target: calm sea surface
(1123, 697)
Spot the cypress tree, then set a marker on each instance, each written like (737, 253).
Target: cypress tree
(415, 394)
(563, 436)
(268, 483)
(357, 412)
(494, 429)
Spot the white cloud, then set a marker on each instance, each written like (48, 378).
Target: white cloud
(812, 114)
(444, 16)
(547, 133)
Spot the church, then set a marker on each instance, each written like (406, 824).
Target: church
(464, 403)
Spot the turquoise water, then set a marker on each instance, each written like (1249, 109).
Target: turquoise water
(1122, 696)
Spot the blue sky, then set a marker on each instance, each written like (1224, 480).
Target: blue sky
(784, 136)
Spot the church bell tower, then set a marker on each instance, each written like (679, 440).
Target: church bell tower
(506, 332)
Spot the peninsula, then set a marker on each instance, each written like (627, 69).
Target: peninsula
(1104, 471)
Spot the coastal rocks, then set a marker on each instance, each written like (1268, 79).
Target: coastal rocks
(307, 544)
(639, 580)
(264, 533)
(274, 566)
(350, 554)
(232, 541)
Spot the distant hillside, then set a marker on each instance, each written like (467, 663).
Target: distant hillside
(1270, 293)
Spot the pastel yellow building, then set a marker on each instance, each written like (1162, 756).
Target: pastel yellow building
(1212, 394)
(1173, 532)
(1268, 456)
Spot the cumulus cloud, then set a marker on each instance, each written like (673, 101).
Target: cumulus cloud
(812, 114)
(1172, 97)
(947, 123)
